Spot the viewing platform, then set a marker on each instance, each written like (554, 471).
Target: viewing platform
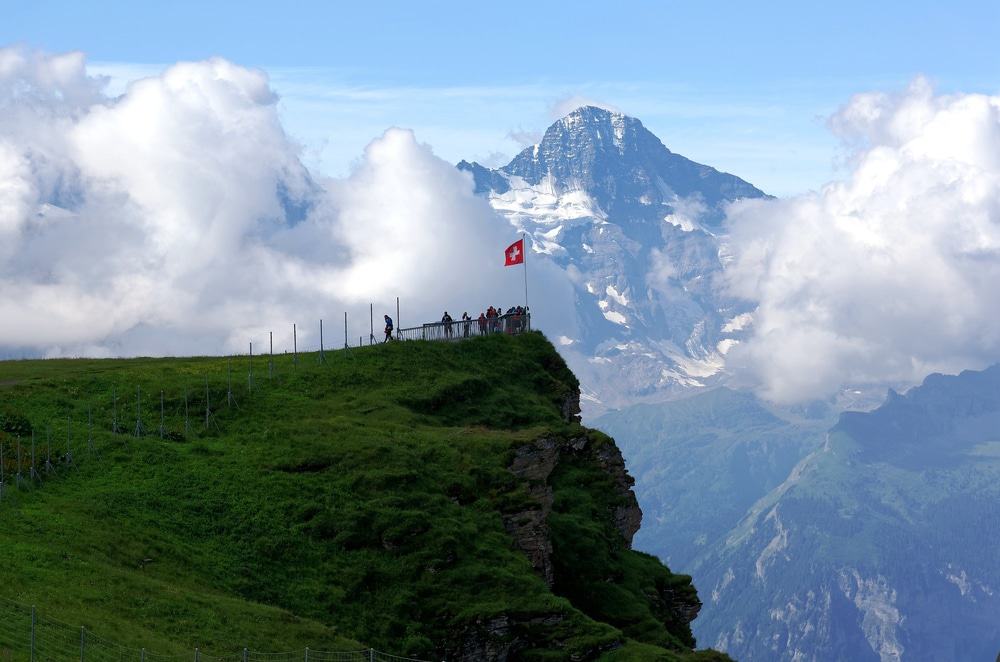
(510, 324)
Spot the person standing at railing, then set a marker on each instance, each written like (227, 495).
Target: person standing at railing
(466, 324)
(446, 319)
(388, 328)
(482, 324)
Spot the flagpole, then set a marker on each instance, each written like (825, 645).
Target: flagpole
(525, 262)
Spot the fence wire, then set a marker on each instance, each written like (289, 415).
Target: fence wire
(28, 636)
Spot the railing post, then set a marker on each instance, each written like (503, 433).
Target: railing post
(371, 655)
(245, 654)
(307, 654)
(83, 641)
(142, 655)
(32, 633)
(197, 655)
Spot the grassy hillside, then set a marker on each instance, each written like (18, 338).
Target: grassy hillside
(361, 500)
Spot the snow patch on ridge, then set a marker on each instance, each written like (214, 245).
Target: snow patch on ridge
(614, 316)
(682, 222)
(725, 345)
(738, 323)
(614, 294)
(543, 204)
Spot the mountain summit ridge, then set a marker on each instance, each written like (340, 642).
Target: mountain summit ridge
(593, 146)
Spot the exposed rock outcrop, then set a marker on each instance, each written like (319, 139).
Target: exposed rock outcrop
(571, 407)
(573, 495)
(533, 463)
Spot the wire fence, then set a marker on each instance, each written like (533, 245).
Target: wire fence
(27, 635)
(31, 452)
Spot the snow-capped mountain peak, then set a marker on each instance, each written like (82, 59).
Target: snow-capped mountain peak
(637, 224)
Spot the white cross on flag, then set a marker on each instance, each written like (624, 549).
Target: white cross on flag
(514, 253)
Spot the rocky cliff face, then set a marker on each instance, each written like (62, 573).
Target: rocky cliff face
(549, 470)
(533, 465)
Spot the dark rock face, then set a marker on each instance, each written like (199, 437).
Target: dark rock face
(686, 609)
(530, 529)
(534, 463)
(571, 407)
(486, 640)
(628, 517)
(486, 180)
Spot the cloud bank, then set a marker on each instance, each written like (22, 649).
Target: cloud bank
(889, 274)
(178, 218)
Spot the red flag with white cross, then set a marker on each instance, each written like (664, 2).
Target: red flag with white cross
(514, 253)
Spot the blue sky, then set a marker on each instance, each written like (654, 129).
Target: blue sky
(742, 86)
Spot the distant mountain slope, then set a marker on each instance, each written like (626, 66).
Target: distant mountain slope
(701, 462)
(635, 226)
(880, 545)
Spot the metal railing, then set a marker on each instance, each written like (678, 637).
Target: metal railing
(510, 324)
(28, 636)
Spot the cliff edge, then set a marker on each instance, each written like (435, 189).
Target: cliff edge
(436, 500)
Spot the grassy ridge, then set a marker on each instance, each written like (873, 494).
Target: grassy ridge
(358, 500)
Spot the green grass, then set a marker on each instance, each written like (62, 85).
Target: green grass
(355, 501)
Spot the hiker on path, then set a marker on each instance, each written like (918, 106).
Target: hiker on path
(388, 328)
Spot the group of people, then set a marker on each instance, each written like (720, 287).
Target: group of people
(491, 321)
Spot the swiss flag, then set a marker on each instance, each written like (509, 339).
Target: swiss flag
(514, 254)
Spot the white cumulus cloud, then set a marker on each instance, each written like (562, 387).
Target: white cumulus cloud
(177, 217)
(889, 274)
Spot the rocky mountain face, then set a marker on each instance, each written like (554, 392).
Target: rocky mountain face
(878, 544)
(636, 227)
